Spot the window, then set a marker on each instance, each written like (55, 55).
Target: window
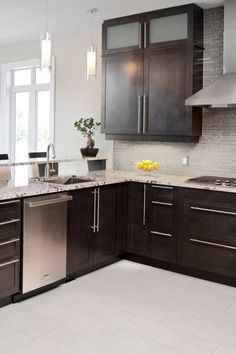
(27, 109)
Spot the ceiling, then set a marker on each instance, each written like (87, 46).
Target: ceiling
(24, 19)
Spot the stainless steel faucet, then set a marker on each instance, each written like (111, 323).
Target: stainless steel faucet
(47, 169)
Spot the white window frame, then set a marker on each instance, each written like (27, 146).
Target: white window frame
(7, 119)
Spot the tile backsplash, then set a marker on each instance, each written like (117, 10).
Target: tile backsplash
(215, 154)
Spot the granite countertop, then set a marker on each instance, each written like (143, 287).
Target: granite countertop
(56, 160)
(8, 190)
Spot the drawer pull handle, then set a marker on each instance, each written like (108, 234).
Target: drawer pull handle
(9, 263)
(14, 240)
(214, 211)
(144, 203)
(162, 187)
(161, 234)
(9, 222)
(10, 202)
(162, 203)
(212, 244)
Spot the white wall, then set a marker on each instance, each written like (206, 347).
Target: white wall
(74, 96)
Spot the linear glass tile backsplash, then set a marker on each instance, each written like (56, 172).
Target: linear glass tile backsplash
(215, 154)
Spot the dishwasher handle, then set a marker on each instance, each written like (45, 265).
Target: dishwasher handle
(59, 199)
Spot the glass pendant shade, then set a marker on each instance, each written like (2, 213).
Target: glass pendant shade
(46, 51)
(91, 63)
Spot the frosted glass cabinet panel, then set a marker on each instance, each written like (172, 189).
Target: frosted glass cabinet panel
(170, 28)
(123, 36)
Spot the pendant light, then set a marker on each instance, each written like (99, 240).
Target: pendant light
(46, 44)
(91, 52)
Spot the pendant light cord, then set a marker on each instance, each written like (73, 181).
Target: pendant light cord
(46, 15)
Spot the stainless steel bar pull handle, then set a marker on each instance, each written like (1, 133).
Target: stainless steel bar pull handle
(94, 227)
(5, 264)
(14, 240)
(9, 222)
(65, 198)
(10, 202)
(140, 108)
(212, 244)
(145, 34)
(145, 100)
(162, 187)
(98, 209)
(144, 203)
(161, 234)
(213, 210)
(162, 203)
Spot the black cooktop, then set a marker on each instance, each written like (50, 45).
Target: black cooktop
(218, 181)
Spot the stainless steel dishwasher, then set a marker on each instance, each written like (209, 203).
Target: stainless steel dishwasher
(44, 240)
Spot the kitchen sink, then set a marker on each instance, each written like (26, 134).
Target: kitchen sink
(66, 180)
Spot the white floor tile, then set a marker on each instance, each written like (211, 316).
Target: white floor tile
(25, 322)
(124, 341)
(177, 339)
(211, 329)
(125, 308)
(5, 330)
(73, 343)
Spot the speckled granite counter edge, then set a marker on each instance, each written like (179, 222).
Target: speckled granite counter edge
(101, 178)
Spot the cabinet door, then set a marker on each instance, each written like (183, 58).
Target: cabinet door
(168, 82)
(9, 277)
(104, 240)
(122, 93)
(162, 226)
(122, 35)
(80, 220)
(137, 219)
(121, 216)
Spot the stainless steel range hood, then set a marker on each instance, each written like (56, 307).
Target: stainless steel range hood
(222, 92)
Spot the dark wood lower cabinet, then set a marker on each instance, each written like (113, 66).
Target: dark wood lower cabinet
(10, 243)
(104, 239)
(163, 223)
(137, 219)
(79, 236)
(95, 227)
(208, 235)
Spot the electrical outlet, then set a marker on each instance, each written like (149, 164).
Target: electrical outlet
(185, 161)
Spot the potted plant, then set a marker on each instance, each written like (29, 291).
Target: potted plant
(87, 127)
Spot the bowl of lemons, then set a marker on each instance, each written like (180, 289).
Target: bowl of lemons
(146, 166)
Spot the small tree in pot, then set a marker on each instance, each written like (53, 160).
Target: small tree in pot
(87, 127)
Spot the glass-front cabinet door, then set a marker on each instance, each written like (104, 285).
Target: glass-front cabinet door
(181, 25)
(168, 28)
(122, 35)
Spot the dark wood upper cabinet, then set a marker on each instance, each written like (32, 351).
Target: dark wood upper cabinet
(122, 93)
(146, 82)
(168, 80)
(172, 26)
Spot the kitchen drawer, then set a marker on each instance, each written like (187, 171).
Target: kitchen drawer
(210, 223)
(220, 200)
(9, 277)
(161, 215)
(9, 248)
(161, 233)
(9, 210)
(162, 246)
(209, 257)
(158, 192)
(9, 229)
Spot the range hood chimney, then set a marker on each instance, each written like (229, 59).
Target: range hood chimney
(222, 92)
